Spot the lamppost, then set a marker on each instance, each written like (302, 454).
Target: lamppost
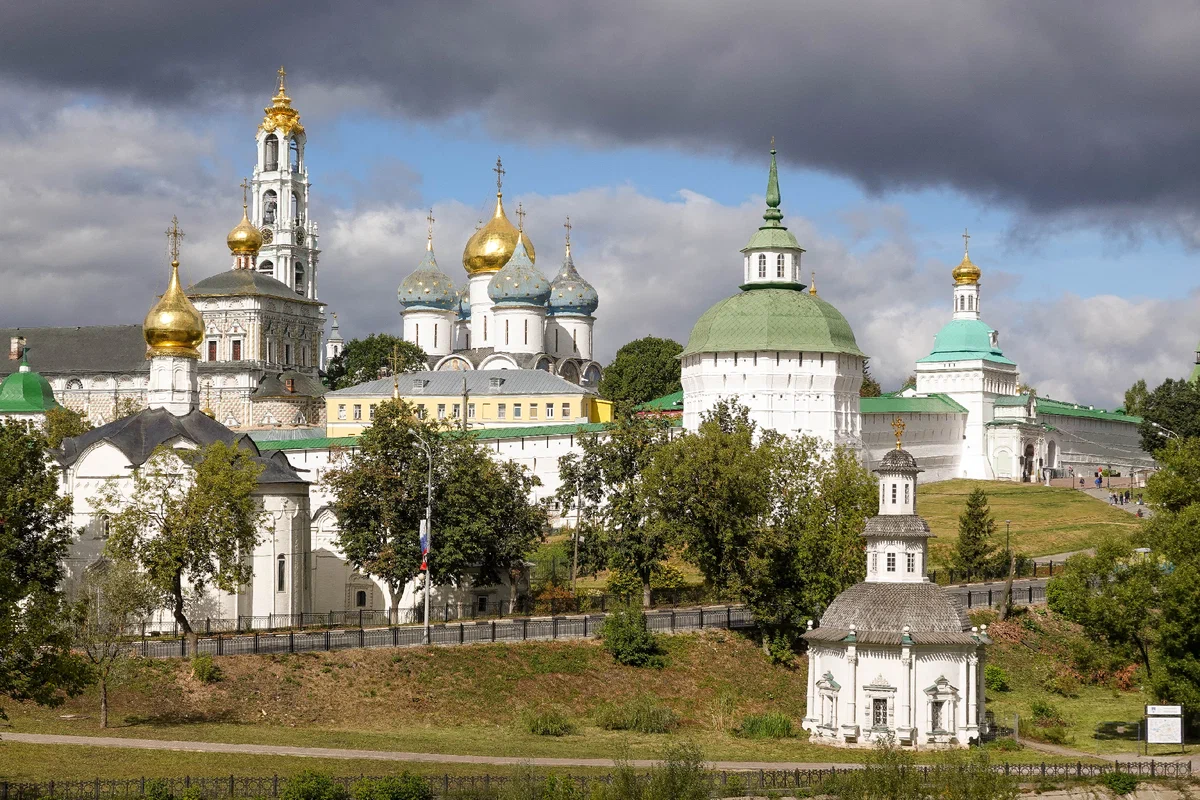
(427, 532)
(1007, 542)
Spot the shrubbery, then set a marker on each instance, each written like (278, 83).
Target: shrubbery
(995, 678)
(625, 637)
(643, 714)
(1119, 782)
(771, 725)
(205, 670)
(404, 786)
(547, 722)
(312, 786)
(892, 773)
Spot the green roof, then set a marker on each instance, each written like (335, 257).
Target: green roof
(929, 404)
(669, 402)
(772, 319)
(965, 340)
(1052, 407)
(315, 443)
(772, 238)
(524, 432)
(26, 392)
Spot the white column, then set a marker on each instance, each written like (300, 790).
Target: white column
(813, 667)
(852, 660)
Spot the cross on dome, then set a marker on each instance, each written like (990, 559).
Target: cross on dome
(567, 225)
(898, 426)
(499, 170)
(430, 220)
(245, 186)
(174, 235)
(520, 217)
(282, 73)
(966, 241)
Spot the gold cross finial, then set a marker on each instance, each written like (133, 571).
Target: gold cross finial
(812, 287)
(499, 170)
(430, 220)
(174, 234)
(567, 225)
(281, 74)
(898, 426)
(244, 186)
(520, 217)
(966, 241)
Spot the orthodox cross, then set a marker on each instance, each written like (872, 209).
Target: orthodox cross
(430, 220)
(567, 225)
(244, 186)
(174, 234)
(966, 238)
(281, 74)
(520, 217)
(898, 426)
(499, 170)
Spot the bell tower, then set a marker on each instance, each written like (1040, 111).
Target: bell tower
(279, 198)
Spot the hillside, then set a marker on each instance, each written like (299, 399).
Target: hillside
(1045, 520)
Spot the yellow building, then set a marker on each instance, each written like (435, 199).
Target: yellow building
(498, 398)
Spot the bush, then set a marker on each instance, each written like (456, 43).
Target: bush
(404, 786)
(1004, 745)
(643, 714)
(528, 785)
(625, 637)
(682, 776)
(205, 670)
(771, 725)
(1119, 782)
(780, 648)
(995, 678)
(549, 722)
(312, 786)
(1063, 683)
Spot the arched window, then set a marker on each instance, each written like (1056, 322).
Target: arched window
(266, 267)
(105, 527)
(506, 331)
(270, 206)
(970, 304)
(281, 577)
(435, 329)
(417, 334)
(762, 265)
(293, 155)
(271, 152)
(300, 277)
(74, 383)
(780, 265)
(295, 214)
(360, 599)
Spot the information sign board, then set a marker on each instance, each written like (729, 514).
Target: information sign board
(1164, 711)
(1164, 730)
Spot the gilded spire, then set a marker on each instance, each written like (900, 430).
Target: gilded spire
(567, 225)
(429, 241)
(244, 239)
(812, 287)
(174, 326)
(493, 244)
(773, 215)
(898, 426)
(280, 115)
(966, 272)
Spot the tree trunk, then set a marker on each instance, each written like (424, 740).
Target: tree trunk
(1006, 602)
(393, 603)
(103, 701)
(514, 580)
(645, 592)
(181, 618)
(1145, 655)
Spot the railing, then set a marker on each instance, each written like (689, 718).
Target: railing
(1025, 568)
(517, 629)
(992, 598)
(720, 782)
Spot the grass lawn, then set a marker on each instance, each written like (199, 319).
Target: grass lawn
(442, 700)
(1032, 649)
(1045, 520)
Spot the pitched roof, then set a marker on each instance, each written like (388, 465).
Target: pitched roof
(898, 526)
(96, 349)
(1050, 406)
(245, 282)
(928, 404)
(137, 435)
(887, 607)
(274, 384)
(479, 384)
(668, 402)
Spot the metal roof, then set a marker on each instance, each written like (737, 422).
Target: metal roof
(480, 383)
(928, 404)
(92, 350)
(766, 319)
(245, 282)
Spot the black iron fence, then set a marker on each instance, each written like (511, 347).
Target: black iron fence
(993, 597)
(509, 629)
(720, 782)
(581, 603)
(1025, 568)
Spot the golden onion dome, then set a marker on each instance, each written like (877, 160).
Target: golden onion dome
(280, 116)
(174, 326)
(244, 239)
(966, 272)
(490, 247)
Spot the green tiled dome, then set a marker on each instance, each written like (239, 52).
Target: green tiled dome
(26, 392)
(772, 319)
(965, 340)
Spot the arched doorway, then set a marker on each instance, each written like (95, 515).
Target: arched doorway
(1028, 463)
(1052, 454)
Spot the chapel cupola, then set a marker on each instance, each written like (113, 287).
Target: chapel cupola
(173, 331)
(772, 256)
(966, 285)
(896, 538)
(244, 240)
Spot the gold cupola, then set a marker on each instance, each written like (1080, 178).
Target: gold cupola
(244, 239)
(966, 272)
(280, 116)
(174, 326)
(490, 247)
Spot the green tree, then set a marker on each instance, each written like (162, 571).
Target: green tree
(36, 662)
(909, 383)
(870, 386)
(190, 520)
(371, 358)
(974, 552)
(114, 598)
(609, 473)
(1136, 397)
(64, 423)
(483, 521)
(1175, 406)
(1112, 595)
(643, 369)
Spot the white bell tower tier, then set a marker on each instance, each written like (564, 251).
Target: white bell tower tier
(897, 539)
(280, 187)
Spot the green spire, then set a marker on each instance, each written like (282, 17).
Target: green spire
(772, 216)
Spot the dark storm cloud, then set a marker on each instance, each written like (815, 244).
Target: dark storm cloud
(1075, 105)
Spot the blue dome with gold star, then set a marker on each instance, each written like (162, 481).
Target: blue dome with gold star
(464, 303)
(570, 293)
(519, 283)
(428, 287)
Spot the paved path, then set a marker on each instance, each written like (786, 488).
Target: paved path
(1132, 507)
(380, 755)
(1067, 752)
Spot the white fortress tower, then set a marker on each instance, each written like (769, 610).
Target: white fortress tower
(967, 365)
(289, 251)
(784, 353)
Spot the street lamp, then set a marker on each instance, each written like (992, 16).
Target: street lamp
(1007, 542)
(1170, 434)
(427, 532)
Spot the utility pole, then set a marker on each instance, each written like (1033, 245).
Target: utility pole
(575, 555)
(427, 532)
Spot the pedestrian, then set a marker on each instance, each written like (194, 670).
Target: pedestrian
(1080, 481)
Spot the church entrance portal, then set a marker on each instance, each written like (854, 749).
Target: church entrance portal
(1027, 464)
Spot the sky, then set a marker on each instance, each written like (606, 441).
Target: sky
(1063, 135)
